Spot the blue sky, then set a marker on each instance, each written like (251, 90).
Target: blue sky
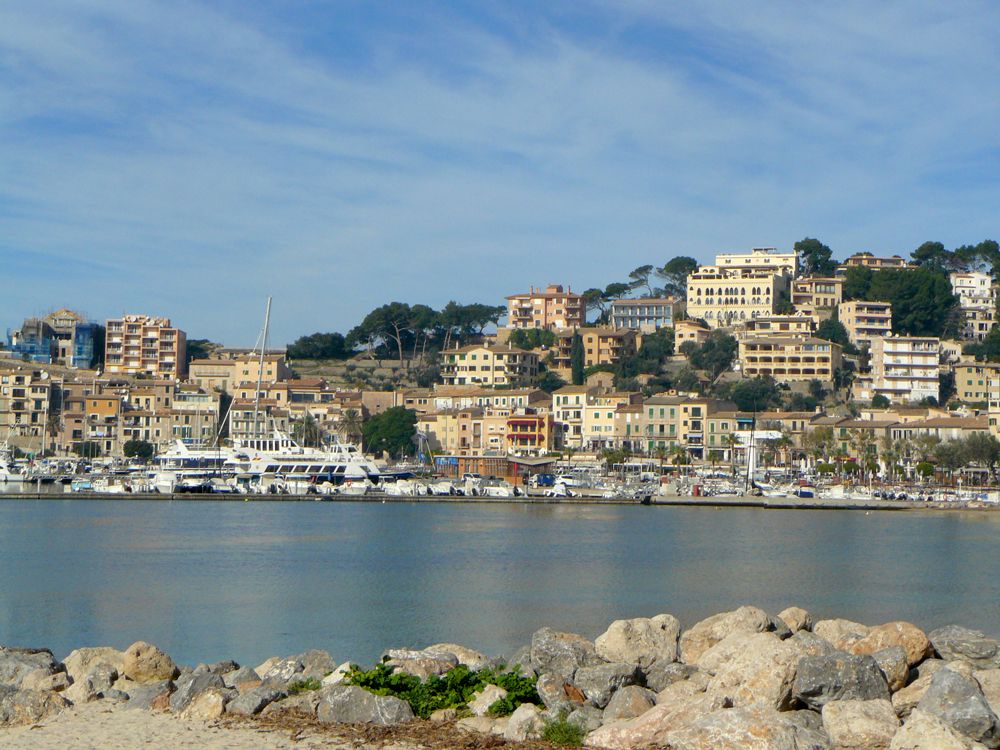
(191, 158)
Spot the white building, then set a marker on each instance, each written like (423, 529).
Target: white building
(761, 259)
(978, 305)
(903, 368)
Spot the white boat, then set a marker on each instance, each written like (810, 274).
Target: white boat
(280, 456)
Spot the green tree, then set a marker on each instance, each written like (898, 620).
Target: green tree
(196, 349)
(857, 282)
(319, 346)
(640, 278)
(140, 449)
(391, 431)
(548, 381)
(755, 394)
(921, 299)
(532, 338)
(87, 449)
(932, 255)
(880, 402)
(833, 330)
(816, 258)
(987, 350)
(576, 359)
(675, 273)
(350, 426)
(716, 355)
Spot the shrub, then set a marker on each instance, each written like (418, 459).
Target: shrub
(826, 468)
(561, 731)
(302, 686)
(925, 469)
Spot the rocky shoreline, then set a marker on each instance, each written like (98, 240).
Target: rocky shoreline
(741, 679)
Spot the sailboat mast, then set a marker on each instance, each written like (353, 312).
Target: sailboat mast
(260, 371)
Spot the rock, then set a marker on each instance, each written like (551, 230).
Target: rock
(483, 725)
(144, 694)
(16, 663)
(421, 664)
(557, 692)
(587, 717)
(28, 706)
(643, 641)
(283, 672)
(223, 667)
(96, 684)
(860, 725)
(660, 675)
(474, 660)
(188, 687)
(242, 679)
(906, 698)
(796, 619)
(652, 727)
(629, 702)
(929, 667)
(43, 680)
(961, 667)
(353, 705)
(747, 728)
(207, 705)
(810, 644)
(522, 660)
(894, 666)
(820, 679)
(83, 661)
(266, 667)
(752, 668)
(600, 682)
(710, 631)
(925, 731)
(115, 696)
(959, 702)
(338, 675)
(443, 715)
(254, 701)
(913, 640)
(989, 681)
(144, 662)
(525, 723)
(316, 664)
(561, 653)
(306, 703)
(840, 633)
(483, 699)
(953, 642)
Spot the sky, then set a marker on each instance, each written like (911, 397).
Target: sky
(190, 159)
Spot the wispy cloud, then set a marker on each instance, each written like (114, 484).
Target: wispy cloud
(191, 158)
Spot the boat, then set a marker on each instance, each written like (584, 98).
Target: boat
(280, 456)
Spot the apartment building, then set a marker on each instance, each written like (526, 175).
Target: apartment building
(554, 308)
(29, 400)
(977, 382)
(63, 337)
(977, 322)
(529, 432)
(491, 366)
(690, 330)
(670, 421)
(766, 259)
(790, 358)
(817, 296)
(601, 346)
(730, 296)
(645, 314)
(903, 368)
(145, 345)
(601, 420)
(977, 303)
(568, 406)
(225, 373)
(865, 321)
(777, 325)
(874, 262)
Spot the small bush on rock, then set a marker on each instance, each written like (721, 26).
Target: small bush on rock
(561, 731)
(302, 686)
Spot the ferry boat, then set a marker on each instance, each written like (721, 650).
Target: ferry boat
(280, 456)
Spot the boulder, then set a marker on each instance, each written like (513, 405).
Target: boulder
(483, 699)
(587, 717)
(521, 660)
(283, 672)
(860, 725)
(338, 675)
(629, 702)
(242, 679)
(443, 715)
(925, 731)
(643, 641)
(747, 728)
(143, 695)
(600, 682)
(95, 685)
(525, 723)
(16, 663)
(796, 619)
(810, 644)
(264, 668)
(660, 675)
(316, 664)
(953, 642)
(353, 705)
(223, 667)
(306, 702)
(906, 698)
(561, 653)
(913, 640)
(840, 633)
(189, 686)
(989, 682)
(820, 679)
(421, 664)
(895, 667)
(710, 631)
(474, 660)
(752, 668)
(82, 661)
(928, 667)
(28, 706)
(144, 662)
(959, 702)
(207, 705)
(44, 680)
(254, 701)
(483, 725)
(557, 692)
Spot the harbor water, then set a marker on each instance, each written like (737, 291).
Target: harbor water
(212, 580)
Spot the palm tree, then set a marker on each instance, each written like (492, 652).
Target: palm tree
(731, 441)
(350, 425)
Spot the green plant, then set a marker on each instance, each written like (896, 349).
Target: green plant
(302, 686)
(561, 731)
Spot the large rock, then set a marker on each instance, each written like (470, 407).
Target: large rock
(643, 640)
(912, 639)
(561, 653)
(208, 705)
(925, 731)
(840, 633)
(471, 658)
(353, 705)
(244, 678)
(820, 679)
(752, 668)
(810, 644)
(338, 675)
(895, 667)
(143, 695)
(710, 631)
(254, 701)
(17, 663)
(587, 717)
(189, 686)
(660, 675)
(747, 728)
(83, 661)
(953, 642)
(558, 693)
(959, 702)
(484, 698)
(989, 681)
(44, 680)
(316, 664)
(600, 682)
(629, 702)
(860, 725)
(28, 706)
(525, 723)
(906, 698)
(96, 684)
(144, 662)
(796, 619)
(421, 664)
(283, 672)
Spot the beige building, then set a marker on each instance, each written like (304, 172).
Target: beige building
(496, 366)
(766, 259)
(876, 263)
(790, 358)
(977, 382)
(865, 321)
(555, 308)
(690, 330)
(730, 296)
(670, 422)
(903, 368)
(144, 345)
(599, 428)
(778, 325)
(646, 314)
(817, 296)
(27, 418)
(601, 346)
(224, 374)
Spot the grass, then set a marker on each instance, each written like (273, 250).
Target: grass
(302, 686)
(561, 731)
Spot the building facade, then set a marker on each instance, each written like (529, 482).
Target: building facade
(790, 358)
(903, 368)
(730, 296)
(646, 314)
(817, 296)
(490, 366)
(865, 321)
(144, 345)
(555, 308)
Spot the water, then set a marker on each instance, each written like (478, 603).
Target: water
(213, 580)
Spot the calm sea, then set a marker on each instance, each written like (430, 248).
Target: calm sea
(213, 580)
